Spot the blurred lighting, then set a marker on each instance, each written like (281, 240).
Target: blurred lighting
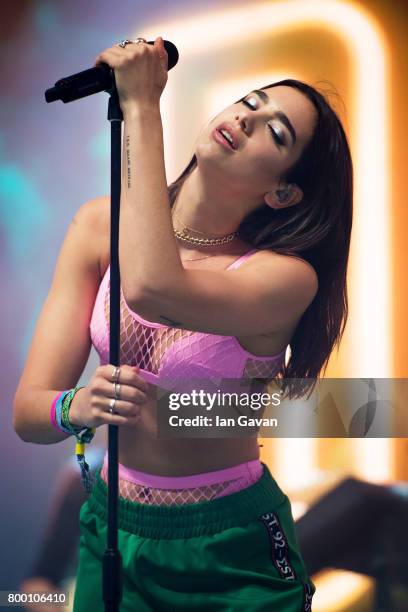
(22, 211)
(340, 590)
(294, 461)
(373, 459)
(298, 509)
(370, 279)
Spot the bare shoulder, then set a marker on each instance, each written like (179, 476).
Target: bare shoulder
(93, 218)
(292, 272)
(94, 214)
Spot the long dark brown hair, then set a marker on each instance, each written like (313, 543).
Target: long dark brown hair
(318, 230)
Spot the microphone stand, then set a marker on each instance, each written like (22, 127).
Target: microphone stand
(112, 559)
(68, 89)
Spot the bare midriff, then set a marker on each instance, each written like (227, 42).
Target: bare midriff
(141, 449)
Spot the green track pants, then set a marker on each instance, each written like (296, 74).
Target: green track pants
(236, 553)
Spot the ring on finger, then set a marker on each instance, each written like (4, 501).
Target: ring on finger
(112, 406)
(123, 43)
(115, 375)
(117, 390)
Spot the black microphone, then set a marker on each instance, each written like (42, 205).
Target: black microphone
(94, 80)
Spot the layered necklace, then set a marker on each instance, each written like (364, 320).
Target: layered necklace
(205, 241)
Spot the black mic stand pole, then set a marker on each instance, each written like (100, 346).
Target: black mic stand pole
(112, 559)
(68, 89)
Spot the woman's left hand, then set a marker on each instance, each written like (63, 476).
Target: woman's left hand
(140, 72)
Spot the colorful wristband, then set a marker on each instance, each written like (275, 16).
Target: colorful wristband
(55, 412)
(59, 415)
(52, 411)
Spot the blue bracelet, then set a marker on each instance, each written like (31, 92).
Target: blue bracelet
(58, 412)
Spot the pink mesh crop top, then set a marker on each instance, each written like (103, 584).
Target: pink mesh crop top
(163, 352)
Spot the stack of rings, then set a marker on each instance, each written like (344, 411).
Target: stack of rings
(116, 387)
(125, 42)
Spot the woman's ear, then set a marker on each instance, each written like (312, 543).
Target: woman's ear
(285, 196)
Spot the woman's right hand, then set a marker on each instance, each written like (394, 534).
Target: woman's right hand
(90, 406)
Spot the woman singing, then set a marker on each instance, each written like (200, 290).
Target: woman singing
(244, 254)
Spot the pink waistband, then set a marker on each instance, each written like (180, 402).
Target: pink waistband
(249, 468)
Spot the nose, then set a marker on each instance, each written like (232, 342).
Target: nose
(243, 122)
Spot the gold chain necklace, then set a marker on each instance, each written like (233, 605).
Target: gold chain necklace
(197, 258)
(186, 237)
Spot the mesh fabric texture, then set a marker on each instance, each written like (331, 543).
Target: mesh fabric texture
(143, 494)
(163, 352)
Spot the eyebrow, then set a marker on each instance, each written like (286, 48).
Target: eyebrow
(278, 114)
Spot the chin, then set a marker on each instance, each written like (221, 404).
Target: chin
(206, 157)
(209, 155)
(205, 150)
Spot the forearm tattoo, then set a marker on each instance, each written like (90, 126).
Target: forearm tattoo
(127, 144)
(171, 323)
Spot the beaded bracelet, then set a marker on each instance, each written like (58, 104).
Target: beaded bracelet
(60, 420)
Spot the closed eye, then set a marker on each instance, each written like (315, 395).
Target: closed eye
(251, 103)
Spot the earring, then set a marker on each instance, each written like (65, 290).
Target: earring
(283, 194)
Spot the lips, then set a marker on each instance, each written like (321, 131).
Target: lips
(218, 137)
(231, 131)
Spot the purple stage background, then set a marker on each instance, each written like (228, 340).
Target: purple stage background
(43, 180)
